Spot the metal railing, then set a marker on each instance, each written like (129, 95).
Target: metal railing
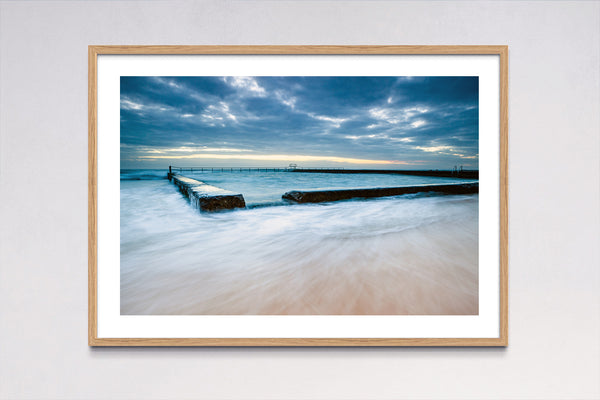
(244, 169)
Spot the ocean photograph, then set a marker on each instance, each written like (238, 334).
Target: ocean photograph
(296, 195)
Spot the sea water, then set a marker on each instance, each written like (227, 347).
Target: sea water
(410, 254)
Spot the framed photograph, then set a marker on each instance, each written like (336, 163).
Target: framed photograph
(298, 195)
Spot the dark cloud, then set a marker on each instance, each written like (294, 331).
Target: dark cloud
(419, 122)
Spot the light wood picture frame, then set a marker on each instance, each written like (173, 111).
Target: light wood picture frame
(106, 325)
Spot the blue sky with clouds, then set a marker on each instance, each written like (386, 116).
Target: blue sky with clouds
(350, 122)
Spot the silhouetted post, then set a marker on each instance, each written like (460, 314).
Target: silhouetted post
(169, 169)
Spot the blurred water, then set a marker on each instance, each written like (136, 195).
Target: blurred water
(261, 188)
(409, 254)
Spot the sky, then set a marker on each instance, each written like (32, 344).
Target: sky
(344, 122)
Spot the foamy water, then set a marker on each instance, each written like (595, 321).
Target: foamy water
(410, 254)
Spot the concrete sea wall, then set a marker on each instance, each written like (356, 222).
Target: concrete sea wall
(207, 197)
(334, 195)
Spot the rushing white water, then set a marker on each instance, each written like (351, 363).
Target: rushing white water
(411, 254)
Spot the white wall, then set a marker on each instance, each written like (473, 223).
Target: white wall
(554, 349)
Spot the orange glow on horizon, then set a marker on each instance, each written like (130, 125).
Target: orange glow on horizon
(276, 157)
